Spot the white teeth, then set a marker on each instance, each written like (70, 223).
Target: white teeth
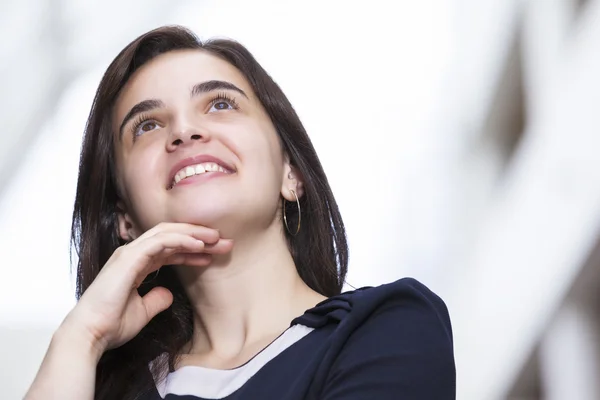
(197, 170)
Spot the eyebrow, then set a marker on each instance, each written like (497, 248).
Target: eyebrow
(210, 86)
(152, 104)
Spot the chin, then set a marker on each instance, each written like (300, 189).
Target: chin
(212, 216)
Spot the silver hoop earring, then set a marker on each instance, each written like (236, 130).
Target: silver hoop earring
(285, 216)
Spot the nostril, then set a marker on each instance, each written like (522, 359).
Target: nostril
(196, 137)
(177, 142)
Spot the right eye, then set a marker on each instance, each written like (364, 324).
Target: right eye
(145, 126)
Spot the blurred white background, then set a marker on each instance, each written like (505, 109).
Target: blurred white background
(461, 138)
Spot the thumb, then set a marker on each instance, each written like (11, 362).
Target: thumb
(156, 300)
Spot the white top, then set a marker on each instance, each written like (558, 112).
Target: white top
(210, 383)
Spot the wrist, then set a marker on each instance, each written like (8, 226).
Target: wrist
(68, 338)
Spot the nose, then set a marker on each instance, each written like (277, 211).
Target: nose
(184, 138)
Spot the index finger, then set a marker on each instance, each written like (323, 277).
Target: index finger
(200, 232)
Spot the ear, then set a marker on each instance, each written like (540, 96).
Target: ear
(292, 180)
(127, 230)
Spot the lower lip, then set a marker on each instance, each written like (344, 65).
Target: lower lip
(200, 178)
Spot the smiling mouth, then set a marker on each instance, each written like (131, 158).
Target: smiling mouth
(196, 169)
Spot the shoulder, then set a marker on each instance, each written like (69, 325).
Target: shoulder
(404, 300)
(404, 312)
(389, 339)
(403, 290)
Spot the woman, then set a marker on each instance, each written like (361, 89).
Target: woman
(212, 252)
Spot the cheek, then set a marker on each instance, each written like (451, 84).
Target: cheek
(256, 145)
(267, 159)
(143, 204)
(144, 168)
(266, 142)
(144, 185)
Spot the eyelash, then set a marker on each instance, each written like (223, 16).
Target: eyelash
(219, 97)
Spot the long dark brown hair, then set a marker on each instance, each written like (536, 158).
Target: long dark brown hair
(319, 250)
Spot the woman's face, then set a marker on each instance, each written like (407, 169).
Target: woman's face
(194, 144)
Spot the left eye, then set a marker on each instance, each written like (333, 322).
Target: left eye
(221, 105)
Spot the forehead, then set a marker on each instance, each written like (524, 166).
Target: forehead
(172, 75)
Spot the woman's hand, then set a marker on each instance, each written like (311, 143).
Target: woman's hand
(111, 312)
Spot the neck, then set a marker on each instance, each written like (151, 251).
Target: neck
(251, 294)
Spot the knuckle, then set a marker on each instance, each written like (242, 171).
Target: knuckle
(119, 250)
(161, 236)
(156, 229)
(162, 226)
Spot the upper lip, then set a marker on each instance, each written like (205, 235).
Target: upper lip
(199, 159)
